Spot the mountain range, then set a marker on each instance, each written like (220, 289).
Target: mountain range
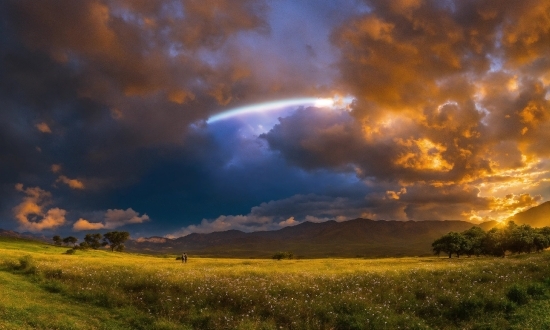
(352, 238)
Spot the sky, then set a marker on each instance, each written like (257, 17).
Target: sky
(429, 110)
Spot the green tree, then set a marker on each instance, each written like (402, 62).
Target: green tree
(541, 242)
(70, 240)
(451, 243)
(495, 242)
(520, 238)
(93, 241)
(475, 237)
(57, 240)
(116, 239)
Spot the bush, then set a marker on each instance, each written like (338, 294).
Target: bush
(70, 251)
(27, 264)
(466, 309)
(518, 295)
(283, 255)
(53, 273)
(536, 290)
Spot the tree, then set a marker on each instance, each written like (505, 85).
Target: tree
(93, 241)
(116, 239)
(521, 238)
(70, 240)
(495, 242)
(451, 243)
(475, 237)
(541, 242)
(57, 240)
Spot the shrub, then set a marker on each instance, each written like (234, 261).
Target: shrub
(53, 286)
(466, 309)
(53, 273)
(518, 295)
(27, 264)
(283, 255)
(536, 290)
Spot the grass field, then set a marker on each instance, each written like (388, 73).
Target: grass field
(43, 288)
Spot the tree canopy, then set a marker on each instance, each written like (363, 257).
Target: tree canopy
(496, 242)
(57, 240)
(70, 240)
(92, 241)
(116, 239)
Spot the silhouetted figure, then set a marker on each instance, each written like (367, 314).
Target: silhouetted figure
(185, 257)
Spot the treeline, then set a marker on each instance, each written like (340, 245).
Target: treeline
(495, 242)
(115, 240)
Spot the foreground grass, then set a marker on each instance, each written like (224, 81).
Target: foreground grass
(98, 289)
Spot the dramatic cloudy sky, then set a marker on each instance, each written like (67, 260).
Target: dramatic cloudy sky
(441, 111)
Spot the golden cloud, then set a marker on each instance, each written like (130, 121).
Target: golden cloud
(72, 183)
(30, 215)
(83, 224)
(43, 127)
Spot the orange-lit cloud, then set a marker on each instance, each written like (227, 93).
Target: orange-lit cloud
(83, 224)
(55, 168)
(30, 215)
(453, 109)
(113, 219)
(72, 183)
(43, 127)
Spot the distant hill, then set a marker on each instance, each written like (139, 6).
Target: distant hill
(353, 238)
(538, 216)
(31, 236)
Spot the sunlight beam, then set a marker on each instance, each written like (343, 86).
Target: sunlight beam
(270, 106)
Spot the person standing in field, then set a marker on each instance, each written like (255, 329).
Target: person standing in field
(184, 257)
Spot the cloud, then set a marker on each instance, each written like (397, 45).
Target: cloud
(56, 168)
(30, 214)
(43, 127)
(113, 218)
(282, 213)
(138, 57)
(72, 183)
(83, 224)
(450, 109)
(116, 218)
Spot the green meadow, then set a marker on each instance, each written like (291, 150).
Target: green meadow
(41, 287)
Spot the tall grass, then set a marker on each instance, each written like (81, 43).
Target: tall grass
(407, 293)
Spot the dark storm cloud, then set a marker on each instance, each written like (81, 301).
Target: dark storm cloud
(132, 57)
(100, 88)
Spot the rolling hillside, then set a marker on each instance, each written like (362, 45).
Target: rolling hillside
(538, 216)
(353, 238)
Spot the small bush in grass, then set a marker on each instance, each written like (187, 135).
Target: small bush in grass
(27, 264)
(493, 305)
(536, 290)
(53, 273)
(420, 294)
(466, 309)
(53, 286)
(518, 295)
(70, 251)
(283, 255)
